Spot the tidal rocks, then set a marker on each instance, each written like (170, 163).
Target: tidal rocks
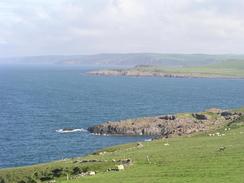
(200, 116)
(167, 125)
(226, 113)
(167, 117)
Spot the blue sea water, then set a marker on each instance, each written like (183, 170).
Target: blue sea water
(35, 101)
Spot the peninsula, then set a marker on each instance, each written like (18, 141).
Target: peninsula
(169, 125)
(214, 146)
(225, 69)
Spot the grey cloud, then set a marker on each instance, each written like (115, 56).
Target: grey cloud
(36, 27)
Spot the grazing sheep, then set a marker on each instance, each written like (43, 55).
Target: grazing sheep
(120, 167)
(91, 173)
(222, 148)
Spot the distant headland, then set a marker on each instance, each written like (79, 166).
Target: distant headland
(227, 69)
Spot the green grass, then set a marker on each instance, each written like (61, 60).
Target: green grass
(230, 68)
(186, 159)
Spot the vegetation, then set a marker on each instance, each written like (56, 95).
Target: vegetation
(232, 68)
(200, 158)
(223, 69)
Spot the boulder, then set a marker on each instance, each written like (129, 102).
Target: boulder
(200, 116)
(226, 113)
(168, 117)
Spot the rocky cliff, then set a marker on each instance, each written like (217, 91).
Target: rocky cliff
(168, 125)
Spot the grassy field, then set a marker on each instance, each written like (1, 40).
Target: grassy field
(194, 159)
(231, 68)
(185, 159)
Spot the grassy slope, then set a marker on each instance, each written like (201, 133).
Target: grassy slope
(186, 159)
(194, 159)
(231, 68)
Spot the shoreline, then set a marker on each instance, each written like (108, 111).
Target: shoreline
(137, 72)
(164, 76)
(164, 126)
(89, 130)
(111, 159)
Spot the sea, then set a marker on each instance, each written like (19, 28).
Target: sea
(38, 101)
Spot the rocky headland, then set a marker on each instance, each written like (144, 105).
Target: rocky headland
(169, 125)
(233, 71)
(138, 73)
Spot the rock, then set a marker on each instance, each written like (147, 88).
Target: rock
(57, 172)
(90, 161)
(167, 117)
(167, 125)
(120, 167)
(200, 116)
(226, 113)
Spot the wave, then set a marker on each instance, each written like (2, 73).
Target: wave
(71, 130)
(148, 140)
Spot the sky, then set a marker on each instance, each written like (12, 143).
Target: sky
(66, 27)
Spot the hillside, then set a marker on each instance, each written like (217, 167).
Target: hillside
(222, 69)
(213, 156)
(127, 59)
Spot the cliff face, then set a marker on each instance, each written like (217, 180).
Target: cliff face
(165, 126)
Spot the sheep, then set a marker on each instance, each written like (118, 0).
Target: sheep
(222, 148)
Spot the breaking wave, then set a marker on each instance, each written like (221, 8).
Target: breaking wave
(64, 130)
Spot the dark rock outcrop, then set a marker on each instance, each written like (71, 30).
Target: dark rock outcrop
(226, 113)
(167, 117)
(200, 116)
(166, 125)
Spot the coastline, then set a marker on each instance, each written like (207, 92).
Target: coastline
(164, 126)
(153, 71)
(107, 160)
(171, 75)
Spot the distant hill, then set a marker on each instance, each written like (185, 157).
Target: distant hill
(127, 60)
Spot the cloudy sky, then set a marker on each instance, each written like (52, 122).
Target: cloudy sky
(44, 27)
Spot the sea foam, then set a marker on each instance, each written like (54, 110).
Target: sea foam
(63, 130)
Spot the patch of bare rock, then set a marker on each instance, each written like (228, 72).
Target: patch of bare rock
(168, 125)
